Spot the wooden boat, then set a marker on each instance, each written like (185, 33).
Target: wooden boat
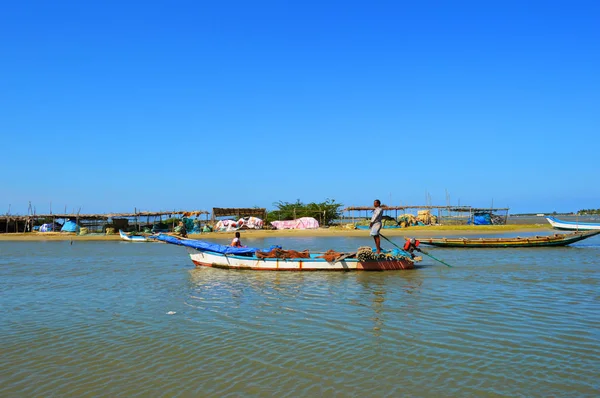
(205, 254)
(572, 225)
(532, 241)
(129, 237)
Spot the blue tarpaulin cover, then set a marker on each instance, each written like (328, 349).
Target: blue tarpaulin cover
(482, 219)
(211, 247)
(70, 226)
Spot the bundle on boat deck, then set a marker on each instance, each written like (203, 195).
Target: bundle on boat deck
(277, 252)
(332, 256)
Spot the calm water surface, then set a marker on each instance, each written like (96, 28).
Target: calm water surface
(123, 319)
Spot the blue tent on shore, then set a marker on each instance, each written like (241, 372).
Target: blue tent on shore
(70, 226)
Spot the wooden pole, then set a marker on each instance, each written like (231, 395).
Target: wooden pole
(77, 220)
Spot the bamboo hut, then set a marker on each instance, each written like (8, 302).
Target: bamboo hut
(97, 223)
(446, 215)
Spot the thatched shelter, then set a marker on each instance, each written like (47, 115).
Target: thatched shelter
(445, 214)
(239, 212)
(95, 222)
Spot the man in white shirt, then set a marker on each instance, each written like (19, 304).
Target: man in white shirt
(375, 224)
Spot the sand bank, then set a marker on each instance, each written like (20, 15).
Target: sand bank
(428, 231)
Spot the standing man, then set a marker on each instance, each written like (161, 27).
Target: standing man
(375, 224)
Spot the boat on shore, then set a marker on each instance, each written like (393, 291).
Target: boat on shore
(532, 241)
(206, 254)
(572, 225)
(129, 237)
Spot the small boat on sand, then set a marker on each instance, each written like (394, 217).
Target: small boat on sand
(572, 225)
(531, 241)
(129, 237)
(206, 254)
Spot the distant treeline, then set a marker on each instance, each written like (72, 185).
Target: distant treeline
(588, 211)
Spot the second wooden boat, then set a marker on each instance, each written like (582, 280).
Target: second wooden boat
(531, 241)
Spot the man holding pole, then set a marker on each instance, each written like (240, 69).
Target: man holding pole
(375, 224)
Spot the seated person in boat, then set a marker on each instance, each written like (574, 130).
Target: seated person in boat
(411, 245)
(236, 242)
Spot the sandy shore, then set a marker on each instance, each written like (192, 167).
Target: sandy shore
(429, 231)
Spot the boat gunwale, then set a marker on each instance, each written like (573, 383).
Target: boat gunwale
(534, 241)
(399, 264)
(253, 257)
(126, 236)
(558, 221)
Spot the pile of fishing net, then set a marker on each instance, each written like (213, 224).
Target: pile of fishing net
(280, 253)
(331, 256)
(407, 220)
(426, 218)
(366, 254)
(497, 220)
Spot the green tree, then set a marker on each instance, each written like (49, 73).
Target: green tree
(588, 211)
(325, 212)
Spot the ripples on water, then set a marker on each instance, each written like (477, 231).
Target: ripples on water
(123, 319)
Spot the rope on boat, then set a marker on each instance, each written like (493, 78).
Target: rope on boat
(366, 253)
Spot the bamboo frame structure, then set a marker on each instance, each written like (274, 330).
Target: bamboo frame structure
(25, 223)
(239, 212)
(443, 212)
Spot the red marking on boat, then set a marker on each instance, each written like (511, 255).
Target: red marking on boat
(365, 266)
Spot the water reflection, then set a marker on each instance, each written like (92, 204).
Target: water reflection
(497, 323)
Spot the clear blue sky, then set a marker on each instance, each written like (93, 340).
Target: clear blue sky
(194, 105)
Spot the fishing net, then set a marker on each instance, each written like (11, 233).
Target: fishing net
(366, 254)
(280, 253)
(331, 255)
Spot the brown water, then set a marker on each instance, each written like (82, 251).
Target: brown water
(126, 319)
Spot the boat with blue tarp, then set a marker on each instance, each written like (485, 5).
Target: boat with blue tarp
(274, 258)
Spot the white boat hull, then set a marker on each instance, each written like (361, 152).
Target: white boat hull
(571, 225)
(133, 238)
(216, 260)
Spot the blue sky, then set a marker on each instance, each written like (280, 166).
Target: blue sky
(192, 105)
